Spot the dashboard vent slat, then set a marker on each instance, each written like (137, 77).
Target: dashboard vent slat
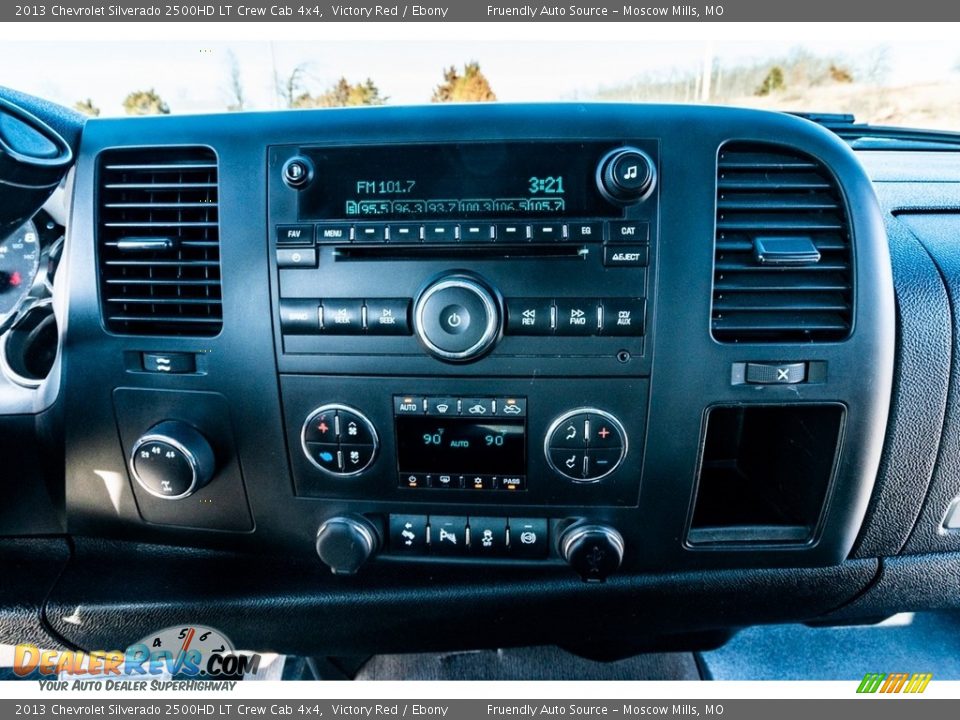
(772, 191)
(170, 288)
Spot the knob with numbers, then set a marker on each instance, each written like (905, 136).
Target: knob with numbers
(172, 460)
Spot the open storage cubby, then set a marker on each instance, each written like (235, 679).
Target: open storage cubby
(764, 473)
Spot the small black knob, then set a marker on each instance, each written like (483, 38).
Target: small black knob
(626, 176)
(297, 172)
(172, 460)
(346, 543)
(593, 550)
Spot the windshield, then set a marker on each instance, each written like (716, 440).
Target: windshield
(913, 83)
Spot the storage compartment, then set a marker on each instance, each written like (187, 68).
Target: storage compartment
(765, 473)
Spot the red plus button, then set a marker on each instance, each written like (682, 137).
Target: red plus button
(603, 433)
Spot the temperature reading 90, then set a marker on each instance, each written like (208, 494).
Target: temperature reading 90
(494, 440)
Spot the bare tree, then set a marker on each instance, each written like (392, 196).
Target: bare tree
(87, 108)
(292, 87)
(238, 99)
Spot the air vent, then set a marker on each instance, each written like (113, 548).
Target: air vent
(159, 241)
(783, 265)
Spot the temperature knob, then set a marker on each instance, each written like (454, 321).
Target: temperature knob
(172, 460)
(626, 176)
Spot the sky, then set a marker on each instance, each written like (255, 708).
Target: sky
(192, 76)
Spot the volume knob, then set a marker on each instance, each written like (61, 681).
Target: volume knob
(626, 176)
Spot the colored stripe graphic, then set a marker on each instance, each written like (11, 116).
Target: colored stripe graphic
(871, 682)
(894, 683)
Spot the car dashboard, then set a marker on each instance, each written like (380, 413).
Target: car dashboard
(610, 377)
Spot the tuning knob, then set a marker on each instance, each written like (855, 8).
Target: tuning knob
(172, 460)
(593, 550)
(346, 543)
(626, 176)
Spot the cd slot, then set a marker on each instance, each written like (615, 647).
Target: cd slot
(433, 252)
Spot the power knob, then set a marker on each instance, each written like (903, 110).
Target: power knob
(626, 176)
(457, 318)
(172, 460)
(345, 543)
(592, 549)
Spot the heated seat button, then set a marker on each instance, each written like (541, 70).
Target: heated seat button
(488, 536)
(342, 317)
(448, 535)
(529, 316)
(325, 456)
(623, 316)
(408, 534)
(528, 538)
(577, 316)
(388, 317)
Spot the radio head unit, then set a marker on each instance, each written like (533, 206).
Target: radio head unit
(508, 257)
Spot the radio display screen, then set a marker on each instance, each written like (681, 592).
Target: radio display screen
(458, 445)
(456, 181)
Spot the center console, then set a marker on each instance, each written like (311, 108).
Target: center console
(481, 266)
(643, 339)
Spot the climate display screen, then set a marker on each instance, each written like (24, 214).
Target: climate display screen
(456, 181)
(460, 445)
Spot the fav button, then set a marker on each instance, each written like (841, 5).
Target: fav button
(294, 234)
